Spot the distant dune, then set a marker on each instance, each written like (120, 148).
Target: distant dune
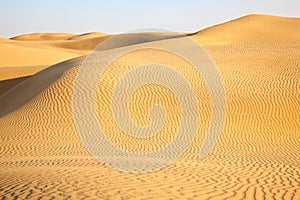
(43, 36)
(27, 54)
(87, 36)
(256, 157)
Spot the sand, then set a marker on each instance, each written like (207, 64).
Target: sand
(256, 156)
(28, 54)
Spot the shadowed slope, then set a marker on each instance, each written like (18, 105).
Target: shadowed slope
(8, 84)
(29, 88)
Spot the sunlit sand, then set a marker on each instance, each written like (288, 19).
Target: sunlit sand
(256, 156)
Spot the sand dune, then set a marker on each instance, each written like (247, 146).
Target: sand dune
(56, 36)
(254, 29)
(87, 36)
(6, 85)
(82, 46)
(52, 48)
(47, 49)
(256, 156)
(18, 55)
(43, 36)
(128, 39)
(17, 60)
(82, 43)
(32, 86)
(3, 39)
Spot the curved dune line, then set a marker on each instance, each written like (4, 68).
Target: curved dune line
(19, 72)
(33, 86)
(8, 84)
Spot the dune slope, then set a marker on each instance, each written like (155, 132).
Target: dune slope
(254, 29)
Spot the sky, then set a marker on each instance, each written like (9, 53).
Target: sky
(119, 16)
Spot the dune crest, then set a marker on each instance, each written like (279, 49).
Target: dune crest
(87, 36)
(254, 29)
(43, 36)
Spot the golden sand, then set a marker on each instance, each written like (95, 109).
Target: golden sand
(28, 54)
(257, 154)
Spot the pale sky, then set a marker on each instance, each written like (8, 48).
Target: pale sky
(119, 16)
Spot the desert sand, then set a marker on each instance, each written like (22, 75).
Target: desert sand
(257, 154)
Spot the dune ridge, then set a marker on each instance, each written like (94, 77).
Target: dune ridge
(254, 29)
(43, 36)
(56, 36)
(256, 156)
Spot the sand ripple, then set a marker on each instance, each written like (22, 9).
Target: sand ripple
(256, 157)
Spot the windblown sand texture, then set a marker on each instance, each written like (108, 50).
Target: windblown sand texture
(257, 154)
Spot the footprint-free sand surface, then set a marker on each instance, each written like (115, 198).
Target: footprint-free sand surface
(256, 156)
